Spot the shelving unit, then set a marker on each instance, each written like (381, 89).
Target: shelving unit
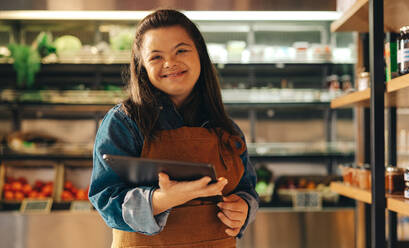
(376, 17)
(396, 95)
(394, 203)
(356, 18)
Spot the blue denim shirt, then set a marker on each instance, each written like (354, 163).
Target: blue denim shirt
(130, 208)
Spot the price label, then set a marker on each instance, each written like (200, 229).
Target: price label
(81, 206)
(36, 205)
(307, 200)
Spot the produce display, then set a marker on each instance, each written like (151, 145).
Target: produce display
(287, 185)
(71, 192)
(18, 189)
(67, 44)
(265, 183)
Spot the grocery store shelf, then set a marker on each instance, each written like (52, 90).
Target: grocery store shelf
(38, 15)
(351, 192)
(398, 204)
(397, 92)
(97, 101)
(309, 157)
(257, 152)
(95, 60)
(358, 98)
(356, 17)
(290, 209)
(394, 203)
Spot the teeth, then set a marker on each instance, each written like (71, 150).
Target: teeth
(173, 74)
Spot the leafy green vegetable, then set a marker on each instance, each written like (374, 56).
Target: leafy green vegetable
(67, 43)
(27, 63)
(44, 44)
(122, 41)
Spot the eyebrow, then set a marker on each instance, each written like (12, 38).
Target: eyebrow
(178, 45)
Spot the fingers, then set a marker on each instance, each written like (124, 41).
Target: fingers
(237, 206)
(214, 189)
(231, 198)
(228, 222)
(205, 180)
(232, 231)
(233, 215)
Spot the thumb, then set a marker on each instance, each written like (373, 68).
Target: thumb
(163, 180)
(231, 198)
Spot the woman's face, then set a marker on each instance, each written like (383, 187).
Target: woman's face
(171, 61)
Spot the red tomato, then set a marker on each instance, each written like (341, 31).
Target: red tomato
(19, 196)
(81, 195)
(47, 190)
(38, 184)
(16, 186)
(33, 194)
(27, 189)
(7, 187)
(68, 185)
(67, 196)
(8, 195)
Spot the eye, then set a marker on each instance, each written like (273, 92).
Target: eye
(182, 51)
(155, 57)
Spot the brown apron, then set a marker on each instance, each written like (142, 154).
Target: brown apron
(194, 224)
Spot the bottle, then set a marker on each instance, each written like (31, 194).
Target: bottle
(394, 180)
(404, 44)
(391, 68)
(406, 191)
(400, 38)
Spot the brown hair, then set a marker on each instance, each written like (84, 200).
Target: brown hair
(205, 98)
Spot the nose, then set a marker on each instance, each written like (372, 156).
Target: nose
(170, 62)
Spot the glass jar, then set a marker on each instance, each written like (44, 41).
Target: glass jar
(406, 176)
(364, 177)
(346, 170)
(394, 183)
(363, 80)
(406, 191)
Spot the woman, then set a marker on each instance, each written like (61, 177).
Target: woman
(174, 112)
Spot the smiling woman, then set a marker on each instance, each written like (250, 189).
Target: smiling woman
(174, 112)
(172, 61)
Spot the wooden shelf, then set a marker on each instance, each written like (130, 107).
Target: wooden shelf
(351, 192)
(397, 95)
(358, 98)
(398, 92)
(398, 204)
(356, 17)
(394, 203)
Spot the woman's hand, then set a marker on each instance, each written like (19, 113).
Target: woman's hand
(234, 213)
(174, 193)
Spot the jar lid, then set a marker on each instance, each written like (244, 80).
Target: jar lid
(364, 74)
(366, 167)
(393, 169)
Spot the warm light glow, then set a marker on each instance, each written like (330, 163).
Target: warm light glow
(194, 15)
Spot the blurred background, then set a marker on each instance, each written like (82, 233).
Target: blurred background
(61, 71)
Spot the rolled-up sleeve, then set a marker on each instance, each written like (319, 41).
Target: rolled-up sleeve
(121, 205)
(246, 188)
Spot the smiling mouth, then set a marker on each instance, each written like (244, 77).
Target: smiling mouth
(176, 74)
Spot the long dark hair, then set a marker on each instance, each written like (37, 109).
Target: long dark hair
(144, 99)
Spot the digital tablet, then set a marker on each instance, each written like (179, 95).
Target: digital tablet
(144, 172)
